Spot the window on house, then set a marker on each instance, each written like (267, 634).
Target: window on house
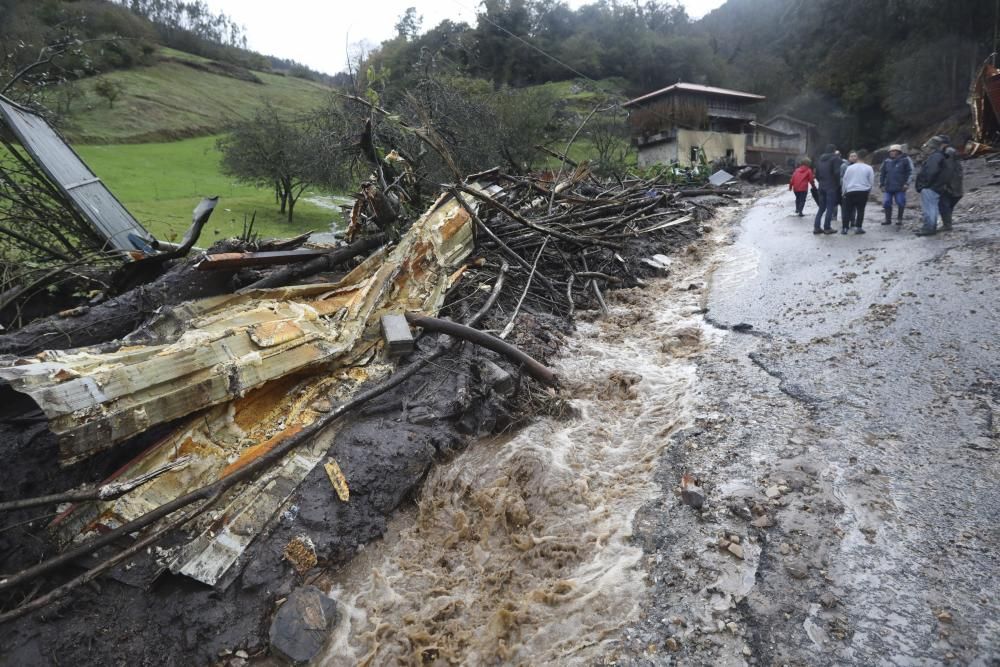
(694, 155)
(730, 153)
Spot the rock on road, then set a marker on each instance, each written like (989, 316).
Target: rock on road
(848, 442)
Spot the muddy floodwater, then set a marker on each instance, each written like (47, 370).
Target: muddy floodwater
(520, 550)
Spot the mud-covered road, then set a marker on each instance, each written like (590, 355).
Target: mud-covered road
(837, 397)
(849, 439)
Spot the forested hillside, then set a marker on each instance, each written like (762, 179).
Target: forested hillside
(869, 70)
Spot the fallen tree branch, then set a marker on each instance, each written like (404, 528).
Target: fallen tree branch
(327, 262)
(569, 145)
(108, 491)
(557, 155)
(569, 295)
(534, 368)
(615, 280)
(97, 570)
(517, 217)
(510, 325)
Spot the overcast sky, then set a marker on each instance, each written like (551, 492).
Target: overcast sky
(317, 32)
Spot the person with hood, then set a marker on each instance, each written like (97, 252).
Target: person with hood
(859, 178)
(952, 189)
(802, 179)
(931, 182)
(828, 177)
(894, 179)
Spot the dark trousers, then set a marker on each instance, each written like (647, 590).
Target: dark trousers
(827, 206)
(946, 206)
(854, 207)
(800, 200)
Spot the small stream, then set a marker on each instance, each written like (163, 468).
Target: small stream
(519, 551)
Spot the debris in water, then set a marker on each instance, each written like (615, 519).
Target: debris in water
(337, 479)
(691, 493)
(301, 553)
(301, 625)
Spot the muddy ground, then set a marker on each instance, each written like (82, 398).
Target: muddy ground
(141, 616)
(846, 433)
(836, 397)
(138, 618)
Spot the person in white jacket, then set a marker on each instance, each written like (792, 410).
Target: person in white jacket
(858, 181)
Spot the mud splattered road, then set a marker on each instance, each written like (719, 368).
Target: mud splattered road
(846, 431)
(838, 399)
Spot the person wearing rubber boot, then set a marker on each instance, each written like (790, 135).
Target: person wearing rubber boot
(828, 177)
(859, 178)
(930, 183)
(952, 190)
(893, 179)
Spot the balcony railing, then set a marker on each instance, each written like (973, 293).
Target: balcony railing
(720, 112)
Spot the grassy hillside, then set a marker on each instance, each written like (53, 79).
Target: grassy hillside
(171, 100)
(161, 183)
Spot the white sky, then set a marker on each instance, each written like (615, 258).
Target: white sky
(317, 32)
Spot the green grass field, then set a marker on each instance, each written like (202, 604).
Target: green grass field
(161, 179)
(169, 100)
(161, 183)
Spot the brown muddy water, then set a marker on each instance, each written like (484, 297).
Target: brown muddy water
(520, 550)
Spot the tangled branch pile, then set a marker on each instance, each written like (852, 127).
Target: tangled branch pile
(569, 240)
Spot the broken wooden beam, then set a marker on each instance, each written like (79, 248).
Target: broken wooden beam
(240, 260)
(325, 262)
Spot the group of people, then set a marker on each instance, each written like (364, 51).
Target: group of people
(847, 184)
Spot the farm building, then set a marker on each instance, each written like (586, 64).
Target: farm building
(677, 123)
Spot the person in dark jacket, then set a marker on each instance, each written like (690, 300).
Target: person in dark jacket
(802, 179)
(952, 188)
(930, 183)
(828, 177)
(894, 179)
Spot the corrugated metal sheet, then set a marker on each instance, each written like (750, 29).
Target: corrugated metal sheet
(61, 164)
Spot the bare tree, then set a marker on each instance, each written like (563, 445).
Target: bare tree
(287, 154)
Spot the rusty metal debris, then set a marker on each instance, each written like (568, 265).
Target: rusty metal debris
(984, 99)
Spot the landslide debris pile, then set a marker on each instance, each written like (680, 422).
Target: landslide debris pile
(191, 438)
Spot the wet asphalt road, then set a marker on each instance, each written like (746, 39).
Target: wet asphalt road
(849, 440)
(892, 343)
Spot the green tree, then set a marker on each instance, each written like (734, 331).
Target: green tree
(109, 90)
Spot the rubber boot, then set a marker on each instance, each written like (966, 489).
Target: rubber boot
(946, 221)
(888, 216)
(899, 218)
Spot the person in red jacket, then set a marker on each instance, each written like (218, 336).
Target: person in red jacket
(802, 180)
